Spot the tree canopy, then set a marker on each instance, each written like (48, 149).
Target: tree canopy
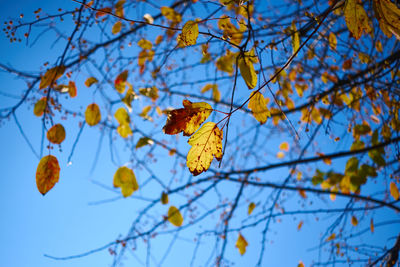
(223, 118)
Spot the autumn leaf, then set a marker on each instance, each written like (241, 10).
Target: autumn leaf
(151, 92)
(145, 44)
(251, 207)
(354, 221)
(301, 264)
(241, 244)
(187, 119)
(284, 146)
(190, 32)
(47, 174)
(51, 76)
(122, 116)
(356, 18)
(124, 130)
(91, 80)
(206, 144)
(56, 134)
(92, 114)
(102, 12)
(144, 141)
(72, 89)
(394, 191)
(171, 14)
(247, 71)
(116, 28)
(300, 225)
(40, 107)
(295, 38)
(175, 216)
(120, 82)
(258, 107)
(371, 226)
(126, 180)
(164, 198)
(332, 41)
(331, 237)
(387, 13)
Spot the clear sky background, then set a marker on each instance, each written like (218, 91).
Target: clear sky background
(78, 214)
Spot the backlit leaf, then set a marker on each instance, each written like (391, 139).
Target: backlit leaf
(56, 134)
(171, 14)
(92, 114)
(144, 141)
(356, 18)
(72, 89)
(175, 216)
(354, 221)
(47, 174)
(394, 191)
(145, 44)
(258, 107)
(51, 76)
(91, 80)
(251, 207)
(40, 107)
(164, 198)
(126, 180)
(241, 244)
(124, 130)
(187, 119)
(116, 28)
(206, 144)
(301, 264)
(122, 116)
(190, 32)
(247, 71)
(151, 92)
(120, 82)
(387, 13)
(295, 38)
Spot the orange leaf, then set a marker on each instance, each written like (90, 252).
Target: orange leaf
(120, 81)
(331, 237)
(302, 193)
(187, 119)
(299, 225)
(56, 134)
(91, 80)
(47, 174)
(103, 11)
(301, 264)
(92, 114)
(51, 76)
(72, 89)
(284, 146)
(371, 226)
(116, 28)
(394, 191)
(354, 221)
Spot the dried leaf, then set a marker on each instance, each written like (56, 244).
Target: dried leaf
(56, 134)
(190, 32)
(72, 89)
(187, 119)
(300, 225)
(120, 82)
(91, 80)
(47, 174)
(92, 114)
(122, 116)
(354, 221)
(126, 180)
(206, 143)
(387, 13)
(51, 76)
(241, 244)
(371, 225)
(175, 216)
(258, 107)
(331, 237)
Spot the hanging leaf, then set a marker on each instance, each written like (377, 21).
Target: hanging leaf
(354, 221)
(175, 216)
(92, 114)
(72, 89)
(394, 191)
(164, 198)
(125, 179)
(248, 73)
(120, 82)
(56, 134)
(387, 13)
(300, 225)
(295, 38)
(331, 237)
(371, 226)
(206, 143)
(190, 32)
(144, 141)
(332, 41)
(47, 174)
(124, 130)
(122, 116)
(91, 80)
(356, 18)
(40, 107)
(258, 107)
(241, 244)
(251, 207)
(51, 76)
(151, 92)
(116, 28)
(187, 119)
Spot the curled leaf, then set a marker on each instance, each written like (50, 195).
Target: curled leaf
(175, 216)
(47, 174)
(56, 134)
(144, 141)
(126, 180)
(187, 119)
(91, 80)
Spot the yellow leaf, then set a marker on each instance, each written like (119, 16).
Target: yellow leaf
(51, 76)
(171, 14)
(175, 216)
(92, 114)
(56, 134)
(300, 225)
(187, 119)
(164, 198)
(208, 87)
(295, 38)
(284, 146)
(331, 237)
(145, 113)
(354, 221)
(119, 8)
(248, 73)
(47, 174)
(145, 44)
(378, 46)
(151, 92)
(301, 264)
(356, 18)
(91, 80)
(190, 32)
(120, 82)
(126, 180)
(124, 130)
(72, 89)
(394, 191)
(241, 244)
(302, 193)
(280, 155)
(129, 97)
(122, 116)
(332, 41)
(387, 13)
(116, 28)
(206, 143)
(144, 141)
(216, 94)
(225, 62)
(258, 107)
(251, 207)
(40, 107)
